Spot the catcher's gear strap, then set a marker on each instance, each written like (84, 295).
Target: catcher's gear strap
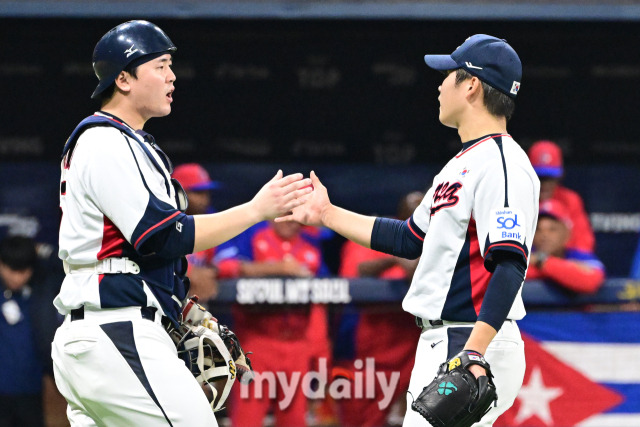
(396, 237)
(207, 365)
(104, 266)
(243, 364)
(174, 240)
(455, 398)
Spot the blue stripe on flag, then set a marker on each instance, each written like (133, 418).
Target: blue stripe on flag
(631, 393)
(583, 327)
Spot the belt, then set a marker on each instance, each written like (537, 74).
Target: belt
(104, 266)
(422, 323)
(148, 313)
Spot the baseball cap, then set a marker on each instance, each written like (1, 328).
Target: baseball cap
(490, 59)
(556, 210)
(546, 159)
(194, 177)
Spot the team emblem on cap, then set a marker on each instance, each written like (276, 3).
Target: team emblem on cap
(470, 65)
(515, 87)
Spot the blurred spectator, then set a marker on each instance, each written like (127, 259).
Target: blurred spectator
(552, 260)
(381, 330)
(283, 338)
(198, 185)
(27, 326)
(546, 158)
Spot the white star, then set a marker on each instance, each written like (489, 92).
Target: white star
(535, 398)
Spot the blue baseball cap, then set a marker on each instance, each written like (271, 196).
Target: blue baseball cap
(490, 59)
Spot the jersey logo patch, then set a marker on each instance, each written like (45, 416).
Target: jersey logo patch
(507, 224)
(445, 196)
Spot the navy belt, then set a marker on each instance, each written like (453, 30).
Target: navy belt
(148, 313)
(424, 322)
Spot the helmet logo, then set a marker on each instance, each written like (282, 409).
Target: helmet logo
(131, 50)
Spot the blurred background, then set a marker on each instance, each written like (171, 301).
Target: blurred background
(340, 87)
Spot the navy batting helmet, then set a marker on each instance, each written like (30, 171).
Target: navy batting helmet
(124, 44)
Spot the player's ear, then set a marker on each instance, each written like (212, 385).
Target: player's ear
(473, 88)
(123, 81)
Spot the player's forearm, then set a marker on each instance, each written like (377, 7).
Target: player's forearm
(351, 225)
(217, 228)
(480, 338)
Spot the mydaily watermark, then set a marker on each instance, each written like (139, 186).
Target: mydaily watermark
(360, 383)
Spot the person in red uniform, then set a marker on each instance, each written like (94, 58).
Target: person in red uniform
(201, 271)
(381, 331)
(552, 260)
(546, 158)
(283, 338)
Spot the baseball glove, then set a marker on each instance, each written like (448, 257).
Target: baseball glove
(455, 398)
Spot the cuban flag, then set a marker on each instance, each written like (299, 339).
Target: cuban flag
(583, 369)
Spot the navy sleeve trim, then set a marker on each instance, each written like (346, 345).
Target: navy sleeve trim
(395, 237)
(173, 242)
(137, 243)
(501, 292)
(494, 252)
(413, 227)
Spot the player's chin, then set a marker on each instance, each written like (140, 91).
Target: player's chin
(165, 110)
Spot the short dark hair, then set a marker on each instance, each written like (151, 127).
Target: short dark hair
(104, 96)
(497, 103)
(18, 252)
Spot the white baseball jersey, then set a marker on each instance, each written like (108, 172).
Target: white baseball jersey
(114, 365)
(113, 198)
(484, 200)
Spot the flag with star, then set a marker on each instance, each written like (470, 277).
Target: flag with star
(583, 369)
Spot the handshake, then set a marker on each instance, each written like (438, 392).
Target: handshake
(212, 352)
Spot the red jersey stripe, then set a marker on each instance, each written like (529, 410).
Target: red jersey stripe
(479, 275)
(112, 241)
(155, 226)
(507, 244)
(480, 142)
(413, 231)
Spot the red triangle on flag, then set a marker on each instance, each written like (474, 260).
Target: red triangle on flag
(554, 394)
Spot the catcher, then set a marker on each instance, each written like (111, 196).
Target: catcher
(123, 237)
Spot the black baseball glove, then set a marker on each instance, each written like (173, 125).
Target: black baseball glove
(455, 398)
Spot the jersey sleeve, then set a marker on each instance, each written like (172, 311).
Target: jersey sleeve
(421, 218)
(123, 185)
(506, 211)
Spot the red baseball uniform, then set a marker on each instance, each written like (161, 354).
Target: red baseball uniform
(384, 332)
(283, 339)
(582, 237)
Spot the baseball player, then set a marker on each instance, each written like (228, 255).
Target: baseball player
(473, 230)
(123, 238)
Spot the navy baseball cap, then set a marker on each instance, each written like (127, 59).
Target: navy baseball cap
(488, 58)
